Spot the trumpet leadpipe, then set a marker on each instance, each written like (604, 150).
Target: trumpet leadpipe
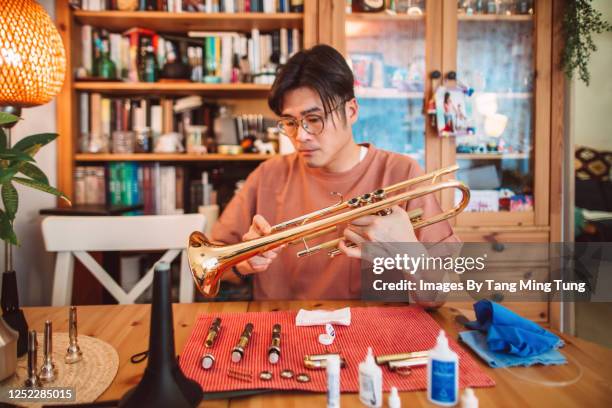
(315, 235)
(384, 359)
(316, 248)
(410, 362)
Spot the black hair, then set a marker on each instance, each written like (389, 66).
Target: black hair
(321, 68)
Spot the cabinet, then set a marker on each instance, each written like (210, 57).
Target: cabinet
(508, 52)
(503, 52)
(244, 97)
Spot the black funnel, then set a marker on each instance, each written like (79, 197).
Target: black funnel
(163, 383)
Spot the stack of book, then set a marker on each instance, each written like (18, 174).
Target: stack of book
(160, 188)
(216, 57)
(205, 6)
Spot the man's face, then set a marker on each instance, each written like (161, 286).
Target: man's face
(319, 150)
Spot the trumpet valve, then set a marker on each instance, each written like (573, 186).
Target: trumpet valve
(353, 202)
(380, 195)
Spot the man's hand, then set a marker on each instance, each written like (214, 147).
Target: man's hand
(259, 263)
(395, 227)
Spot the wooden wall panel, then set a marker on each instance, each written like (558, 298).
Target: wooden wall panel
(66, 106)
(543, 55)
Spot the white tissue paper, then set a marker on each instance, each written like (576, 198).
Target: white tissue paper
(322, 317)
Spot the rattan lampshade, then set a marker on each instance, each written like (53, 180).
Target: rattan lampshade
(32, 57)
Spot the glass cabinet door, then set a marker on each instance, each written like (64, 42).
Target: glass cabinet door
(495, 57)
(387, 53)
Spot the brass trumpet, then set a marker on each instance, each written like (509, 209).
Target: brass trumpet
(209, 261)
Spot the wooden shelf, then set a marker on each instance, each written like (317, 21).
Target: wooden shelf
(167, 22)
(495, 17)
(492, 156)
(244, 90)
(383, 16)
(513, 95)
(169, 157)
(386, 93)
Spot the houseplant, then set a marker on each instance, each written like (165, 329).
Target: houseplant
(580, 22)
(17, 166)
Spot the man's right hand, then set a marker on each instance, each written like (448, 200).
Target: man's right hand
(258, 263)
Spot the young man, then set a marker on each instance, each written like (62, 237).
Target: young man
(313, 95)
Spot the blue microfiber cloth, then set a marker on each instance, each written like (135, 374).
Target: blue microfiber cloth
(478, 342)
(510, 333)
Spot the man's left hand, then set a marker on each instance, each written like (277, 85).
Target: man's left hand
(395, 227)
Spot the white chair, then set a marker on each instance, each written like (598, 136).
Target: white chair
(68, 236)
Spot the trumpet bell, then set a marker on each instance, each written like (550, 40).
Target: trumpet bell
(204, 263)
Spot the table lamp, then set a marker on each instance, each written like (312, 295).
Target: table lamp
(32, 70)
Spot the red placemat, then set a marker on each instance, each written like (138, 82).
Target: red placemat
(387, 330)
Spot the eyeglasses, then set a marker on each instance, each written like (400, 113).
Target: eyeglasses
(312, 123)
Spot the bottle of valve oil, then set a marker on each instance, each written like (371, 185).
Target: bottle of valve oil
(370, 382)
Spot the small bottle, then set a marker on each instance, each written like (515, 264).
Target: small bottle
(492, 7)
(333, 381)
(394, 399)
(104, 66)
(468, 399)
(296, 6)
(148, 64)
(442, 373)
(370, 382)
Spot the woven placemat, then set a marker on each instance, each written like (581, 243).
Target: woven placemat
(90, 377)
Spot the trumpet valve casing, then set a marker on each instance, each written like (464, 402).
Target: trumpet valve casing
(213, 332)
(243, 342)
(274, 349)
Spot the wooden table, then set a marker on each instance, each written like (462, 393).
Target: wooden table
(126, 327)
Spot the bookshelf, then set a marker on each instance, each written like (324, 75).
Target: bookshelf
(246, 98)
(168, 22)
(171, 157)
(175, 88)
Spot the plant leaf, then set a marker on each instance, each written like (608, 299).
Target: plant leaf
(33, 172)
(3, 140)
(14, 155)
(42, 187)
(10, 199)
(34, 142)
(7, 118)
(7, 174)
(6, 229)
